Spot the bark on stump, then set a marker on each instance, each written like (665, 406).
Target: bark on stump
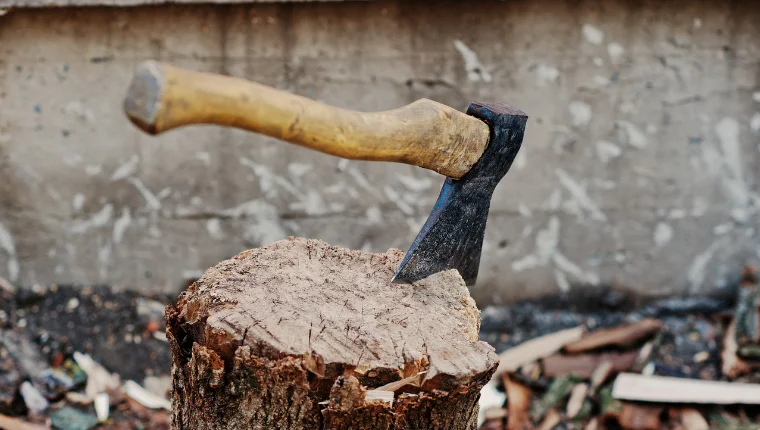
(300, 335)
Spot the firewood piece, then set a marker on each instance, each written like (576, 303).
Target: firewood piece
(558, 390)
(616, 336)
(550, 421)
(691, 419)
(640, 416)
(535, 349)
(666, 389)
(731, 364)
(583, 365)
(292, 335)
(518, 405)
(577, 397)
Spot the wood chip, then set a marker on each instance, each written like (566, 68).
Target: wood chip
(518, 405)
(8, 423)
(535, 349)
(620, 336)
(583, 365)
(397, 385)
(665, 389)
(691, 419)
(731, 365)
(7, 286)
(640, 417)
(593, 424)
(551, 420)
(602, 372)
(577, 396)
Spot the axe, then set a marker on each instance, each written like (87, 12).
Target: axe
(474, 150)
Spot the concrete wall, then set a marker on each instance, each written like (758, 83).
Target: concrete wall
(638, 167)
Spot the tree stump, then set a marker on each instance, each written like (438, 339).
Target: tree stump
(303, 335)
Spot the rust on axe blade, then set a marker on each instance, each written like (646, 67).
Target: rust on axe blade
(452, 237)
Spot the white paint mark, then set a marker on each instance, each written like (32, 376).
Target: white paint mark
(628, 108)
(528, 262)
(416, 184)
(604, 184)
(615, 51)
(756, 96)
(299, 169)
(754, 122)
(567, 266)
(633, 135)
(77, 202)
(601, 81)
(606, 151)
(697, 23)
(8, 245)
(99, 219)
(592, 34)
(204, 157)
(475, 71)
(268, 180)
(677, 214)
(740, 215)
(580, 196)
(214, 228)
(311, 204)
(554, 201)
(580, 113)
(78, 110)
(266, 228)
(342, 164)
(562, 282)
(120, 225)
(127, 169)
(395, 197)
(166, 192)
(526, 231)
(150, 199)
(374, 215)
(727, 131)
(721, 229)
(70, 159)
(362, 181)
(524, 210)
(696, 273)
(93, 170)
(547, 241)
(598, 61)
(546, 74)
(663, 233)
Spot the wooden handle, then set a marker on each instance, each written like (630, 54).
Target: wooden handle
(424, 133)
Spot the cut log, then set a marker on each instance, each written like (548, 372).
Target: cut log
(299, 334)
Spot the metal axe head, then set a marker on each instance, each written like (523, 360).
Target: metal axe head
(452, 237)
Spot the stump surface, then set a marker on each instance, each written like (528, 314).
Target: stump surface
(293, 334)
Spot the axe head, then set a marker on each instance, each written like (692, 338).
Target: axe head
(452, 237)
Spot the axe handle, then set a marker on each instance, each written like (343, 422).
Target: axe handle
(424, 133)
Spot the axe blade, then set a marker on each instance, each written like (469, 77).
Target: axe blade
(452, 237)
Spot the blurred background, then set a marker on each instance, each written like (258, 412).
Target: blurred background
(637, 169)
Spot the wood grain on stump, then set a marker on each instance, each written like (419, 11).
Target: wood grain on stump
(300, 334)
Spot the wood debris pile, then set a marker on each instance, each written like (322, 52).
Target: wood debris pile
(614, 377)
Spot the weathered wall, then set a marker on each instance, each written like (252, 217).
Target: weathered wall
(638, 167)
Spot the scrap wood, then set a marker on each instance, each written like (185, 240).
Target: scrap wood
(667, 389)
(616, 336)
(577, 398)
(731, 365)
(518, 404)
(551, 420)
(584, 365)
(558, 390)
(601, 373)
(691, 419)
(593, 424)
(535, 349)
(8, 423)
(640, 416)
